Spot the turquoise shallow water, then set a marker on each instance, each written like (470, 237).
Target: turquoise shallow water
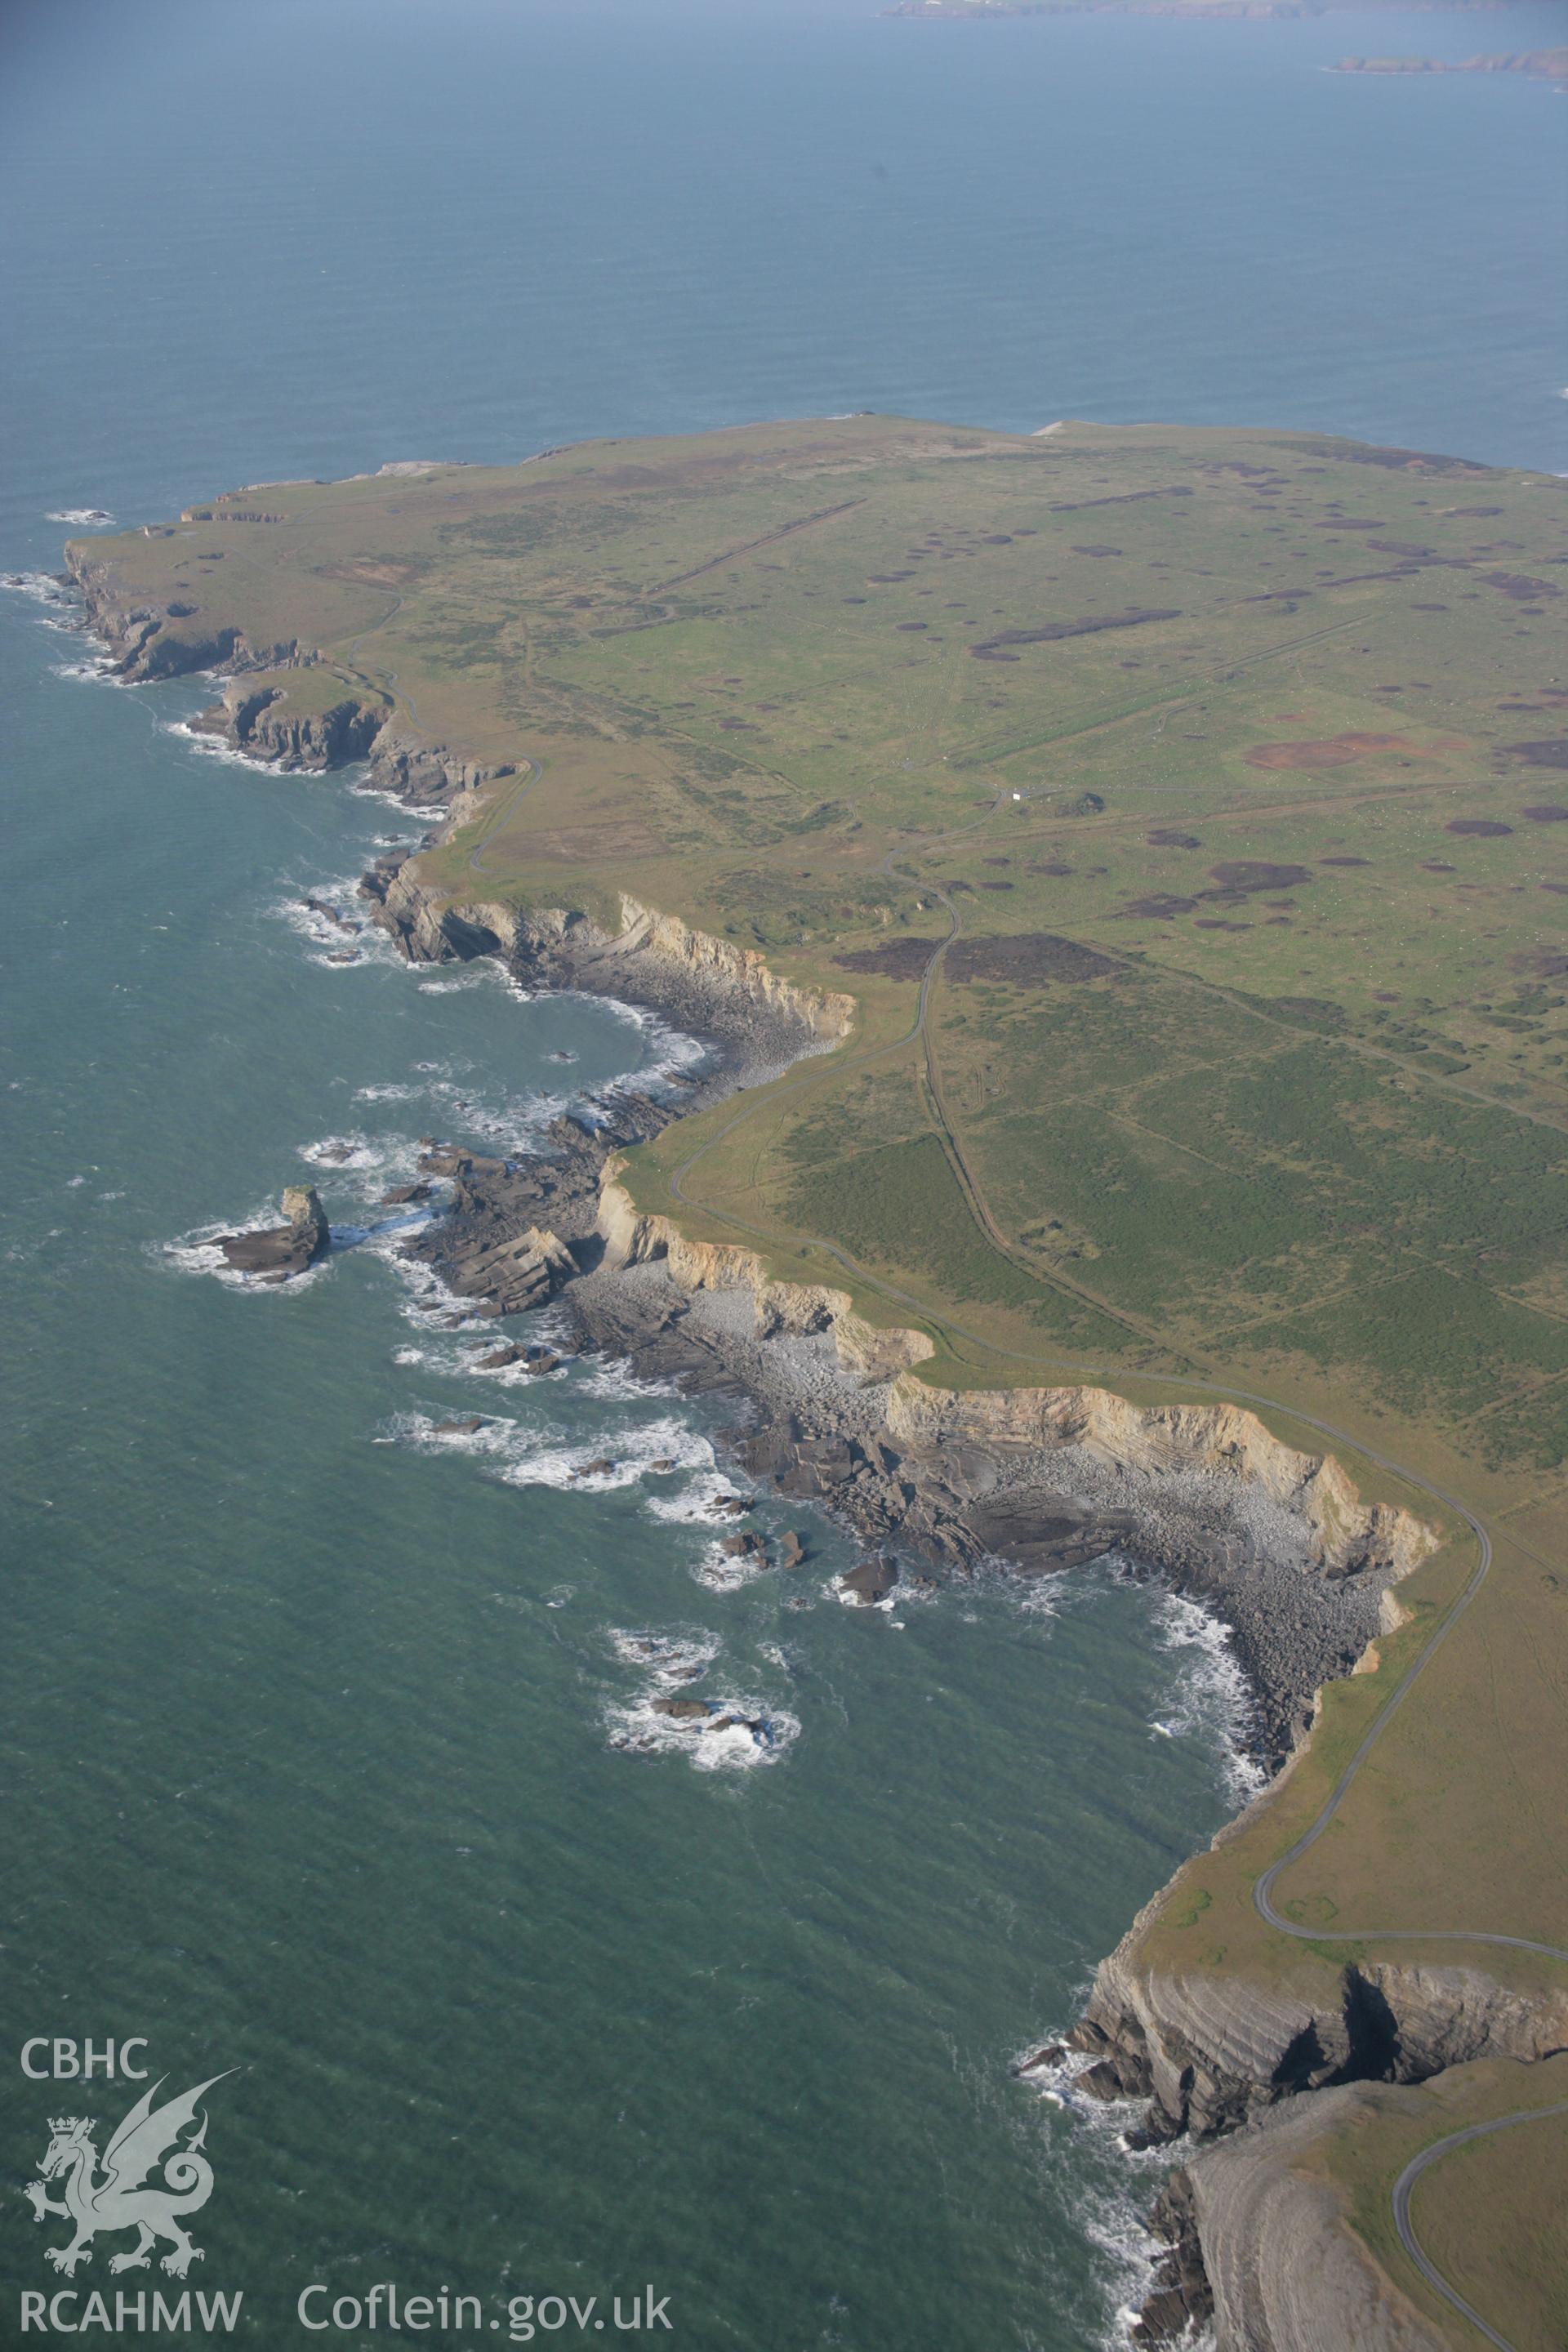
(309, 1720)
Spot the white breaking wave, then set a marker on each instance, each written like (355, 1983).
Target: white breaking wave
(63, 612)
(735, 1734)
(342, 935)
(1109, 2200)
(532, 1457)
(667, 1659)
(614, 1380)
(213, 747)
(42, 586)
(93, 669)
(722, 1571)
(1213, 1703)
(84, 517)
(693, 1506)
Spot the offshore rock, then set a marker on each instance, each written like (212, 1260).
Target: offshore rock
(274, 1253)
(869, 1581)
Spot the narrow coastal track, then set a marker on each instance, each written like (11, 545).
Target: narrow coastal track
(1264, 1886)
(532, 772)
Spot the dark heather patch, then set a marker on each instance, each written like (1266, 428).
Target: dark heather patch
(1256, 874)
(1546, 813)
(1161, 907)
(1162, 837)
(1213, 923)
(1097, 551)
(1519, 587)
(1052, 632)
(1540, 964)
(997, 885)
(892, 960)
(1485, 828)
(1437, 865)
(1050, 865)
(1321, 1011)
(1344, 861)
(1025, 957)
(1552, 753)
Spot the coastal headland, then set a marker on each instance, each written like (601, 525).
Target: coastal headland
(1120, 873)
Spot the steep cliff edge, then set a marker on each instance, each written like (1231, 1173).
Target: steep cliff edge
(1273, 1541)
(1210, 2051)
(652, 959)
(260, 716)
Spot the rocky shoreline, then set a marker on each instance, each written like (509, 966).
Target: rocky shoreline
(1274, 1543)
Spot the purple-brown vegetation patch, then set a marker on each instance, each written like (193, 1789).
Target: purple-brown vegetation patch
(1256, 874)
(891, 959)
(1025, 958)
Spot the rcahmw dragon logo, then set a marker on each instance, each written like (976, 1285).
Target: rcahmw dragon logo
(118, 2198)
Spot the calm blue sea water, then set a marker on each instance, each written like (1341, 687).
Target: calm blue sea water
(309, 1719)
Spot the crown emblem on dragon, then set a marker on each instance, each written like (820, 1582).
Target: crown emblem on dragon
(123, 2196)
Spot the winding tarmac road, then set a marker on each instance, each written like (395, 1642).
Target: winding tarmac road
(1402, 2222)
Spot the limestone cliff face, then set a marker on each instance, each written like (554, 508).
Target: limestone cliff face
(260, 722)
(557, 943)
(1349, 1535)
(1286, 2271)
(631, 1237)
(428, 929)
(428, 774)
(741, 971)
(1211, 2052)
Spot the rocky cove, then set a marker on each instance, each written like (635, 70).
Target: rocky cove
(1275, 1542)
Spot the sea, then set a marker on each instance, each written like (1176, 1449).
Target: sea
(330, 1767)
